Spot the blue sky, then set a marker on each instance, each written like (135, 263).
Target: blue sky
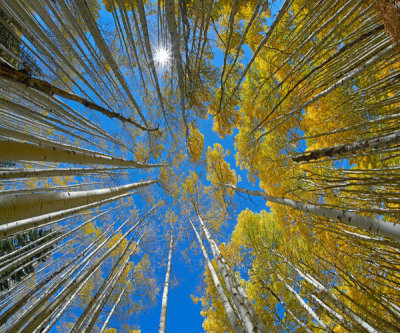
(183, 315)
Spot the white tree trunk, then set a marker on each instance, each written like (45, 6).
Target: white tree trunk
(164, 302)
(233, 320)
(48, 219)
(372, 224)
(236, 292)
(304, 305)
(351, 148)
(14, 151)
(22, 206)
(53, 172)
(43, 309)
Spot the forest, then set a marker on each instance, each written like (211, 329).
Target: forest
(199, 166)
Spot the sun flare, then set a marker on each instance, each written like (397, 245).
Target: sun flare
(162, 56)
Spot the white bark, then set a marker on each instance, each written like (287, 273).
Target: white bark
(385, 52)
(304, 305)
(43, 309)
(143, 22)
(40, 301)
(115, 273)
(103, 328)
(328, 295)
(22, 301)
(14, 151)
(236, 292)
(175, 44)
(15, 261)
(110, 286)
(94, 30)
(48, 219)
(43, 328)
(233, 320)
(53, 172)
(271, 29)
(372, 224)
(29, 205)
(164, 302)
(351, 148)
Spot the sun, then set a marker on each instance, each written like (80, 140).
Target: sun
(162, 56)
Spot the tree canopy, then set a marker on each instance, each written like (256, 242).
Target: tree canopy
(257, 142)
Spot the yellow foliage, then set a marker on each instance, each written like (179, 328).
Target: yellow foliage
(120, 248)
(111, 6)
(195, 143)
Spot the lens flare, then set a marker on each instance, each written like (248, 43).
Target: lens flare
(162, 56)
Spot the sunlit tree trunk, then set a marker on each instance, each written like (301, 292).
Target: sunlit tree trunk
(238, 295)
(103, 328)
(43, 86)
(48, 219)
(14, 151)
(25, 205)
(304, 305)
(164, 301)
(54, 172)
(351, 148)
(372, 224)
(92, 311)
(233, 320)
(43, 309)
(96, 34)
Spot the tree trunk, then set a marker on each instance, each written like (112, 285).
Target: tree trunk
(15, 151)
(233, 320)
(164, 302)
(53, 172)
(372, 224)
(48, 219)
(238, 295)
(22, 206)
(9, 73)
(351, 148)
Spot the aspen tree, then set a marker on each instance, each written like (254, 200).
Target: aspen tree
(164, 301)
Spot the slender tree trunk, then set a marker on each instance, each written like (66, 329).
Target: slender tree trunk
(9, 73)
(328, 295)
(22, 206)
(175, 44)
(351, 148)
(21, 259)
(45, 220)
(116, 271)
(43, 309)
(233, 320)
(372, 224)
(110, 287)
(14, 151)
(304, 305)
(101, 44)
(238, 295)
(164, 302)
(271, 29)
(143, 22)
(39, 304)
(103, 328)
(368, 63)
(22, 301)
(53, 172)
